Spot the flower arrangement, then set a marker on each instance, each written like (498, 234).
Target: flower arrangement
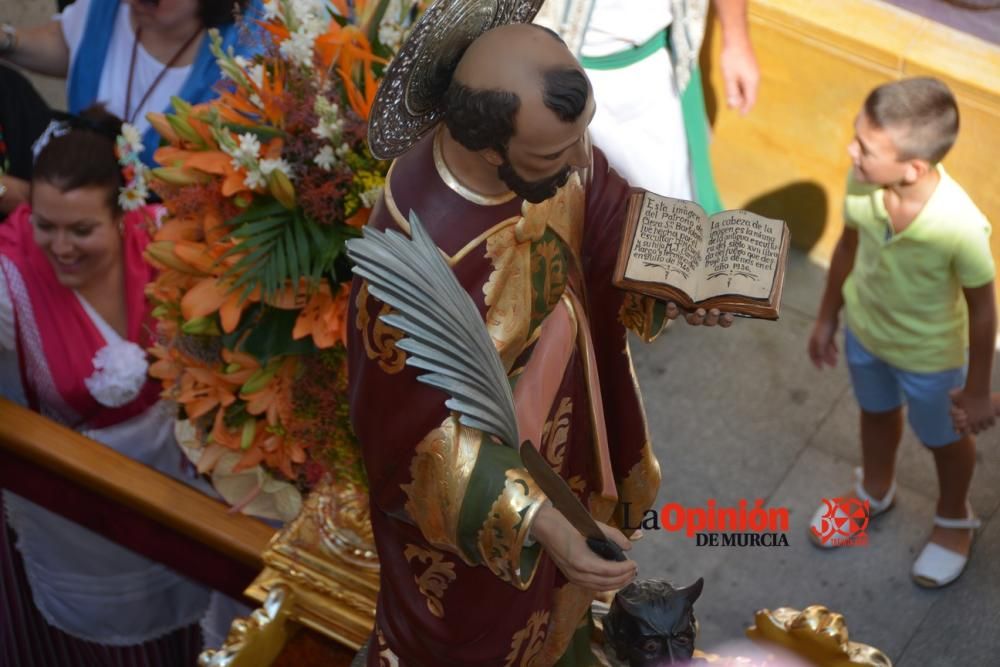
(262, 188)
(128, 147)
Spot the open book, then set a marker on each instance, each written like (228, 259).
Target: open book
(733, 260)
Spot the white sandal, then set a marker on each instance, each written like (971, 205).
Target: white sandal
(821, 517)
(936, 566)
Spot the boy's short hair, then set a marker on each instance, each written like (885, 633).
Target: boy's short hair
(924, 108)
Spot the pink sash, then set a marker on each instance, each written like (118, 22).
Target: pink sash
(55, 335)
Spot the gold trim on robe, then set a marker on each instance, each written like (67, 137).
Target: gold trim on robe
(507, 526)
(440, 471)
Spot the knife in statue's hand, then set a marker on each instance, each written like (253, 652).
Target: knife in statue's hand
(564, 500)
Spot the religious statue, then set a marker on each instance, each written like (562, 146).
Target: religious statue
(487, 118)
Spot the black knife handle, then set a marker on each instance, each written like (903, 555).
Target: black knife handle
(606, 549)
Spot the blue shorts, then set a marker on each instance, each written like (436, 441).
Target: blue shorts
(880, 387)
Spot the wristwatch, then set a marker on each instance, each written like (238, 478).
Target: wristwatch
(9, 38)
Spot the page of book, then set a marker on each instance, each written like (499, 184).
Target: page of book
(741, 255)
(669, 238)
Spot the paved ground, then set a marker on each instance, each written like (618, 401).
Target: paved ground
(743, 414)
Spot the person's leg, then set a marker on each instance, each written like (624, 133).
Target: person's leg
(24, 115)
(881, 433)
(954, 454)
(881, 400)
(955, 464)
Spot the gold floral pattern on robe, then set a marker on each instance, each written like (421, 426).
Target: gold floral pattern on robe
(440, 470)
(555, 434)
(434, 580)
(380, 339)
(527, 643)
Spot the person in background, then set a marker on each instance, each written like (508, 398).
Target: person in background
(914, 274)
(74, 327)
(641, 57)
(130, 55)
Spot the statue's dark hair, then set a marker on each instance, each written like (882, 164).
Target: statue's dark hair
(84, 157)
(480, 119)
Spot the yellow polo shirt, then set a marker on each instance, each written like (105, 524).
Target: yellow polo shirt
(903, 298)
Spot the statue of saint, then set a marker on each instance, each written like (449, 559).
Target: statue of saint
(487, 118)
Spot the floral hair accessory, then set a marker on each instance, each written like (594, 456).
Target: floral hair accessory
(128, 148)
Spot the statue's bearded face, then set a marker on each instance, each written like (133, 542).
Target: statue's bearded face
(545, 150)
(533, 191)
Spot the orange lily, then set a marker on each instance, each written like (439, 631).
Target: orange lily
(201, 390)
(236, 107)
(213, 294)
(206, 162)
(162, 127)
(275, 398)
(169, 365)
(281, 450)
(324, 318)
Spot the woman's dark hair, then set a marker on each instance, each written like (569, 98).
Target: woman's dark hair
(215, 13)
(83, 157)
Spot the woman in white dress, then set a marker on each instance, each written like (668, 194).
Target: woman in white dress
(74, 326)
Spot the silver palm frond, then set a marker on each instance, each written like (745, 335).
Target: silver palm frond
(446, 336)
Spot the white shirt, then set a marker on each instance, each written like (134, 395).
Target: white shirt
(616, 25)
(113, 87)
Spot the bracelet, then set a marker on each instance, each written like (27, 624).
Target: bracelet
(10, 38)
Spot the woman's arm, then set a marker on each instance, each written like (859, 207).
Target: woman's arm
(41, 49)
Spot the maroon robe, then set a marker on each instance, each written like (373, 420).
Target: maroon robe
(451, 510)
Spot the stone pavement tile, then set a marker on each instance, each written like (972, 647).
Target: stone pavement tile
(804, 283)
(961, 627)
(869, 585)
(915, 465)
(729, 409)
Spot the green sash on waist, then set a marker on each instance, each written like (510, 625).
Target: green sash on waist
(692, 110)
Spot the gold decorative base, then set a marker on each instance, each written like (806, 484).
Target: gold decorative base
(326, 561)
(255, 641)
(816, 634)
(345, 525)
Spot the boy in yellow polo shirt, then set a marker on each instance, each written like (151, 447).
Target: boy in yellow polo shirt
(914, 273)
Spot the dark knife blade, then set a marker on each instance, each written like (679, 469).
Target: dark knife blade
(564, 500)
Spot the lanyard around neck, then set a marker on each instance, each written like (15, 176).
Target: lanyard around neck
(129, 115)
